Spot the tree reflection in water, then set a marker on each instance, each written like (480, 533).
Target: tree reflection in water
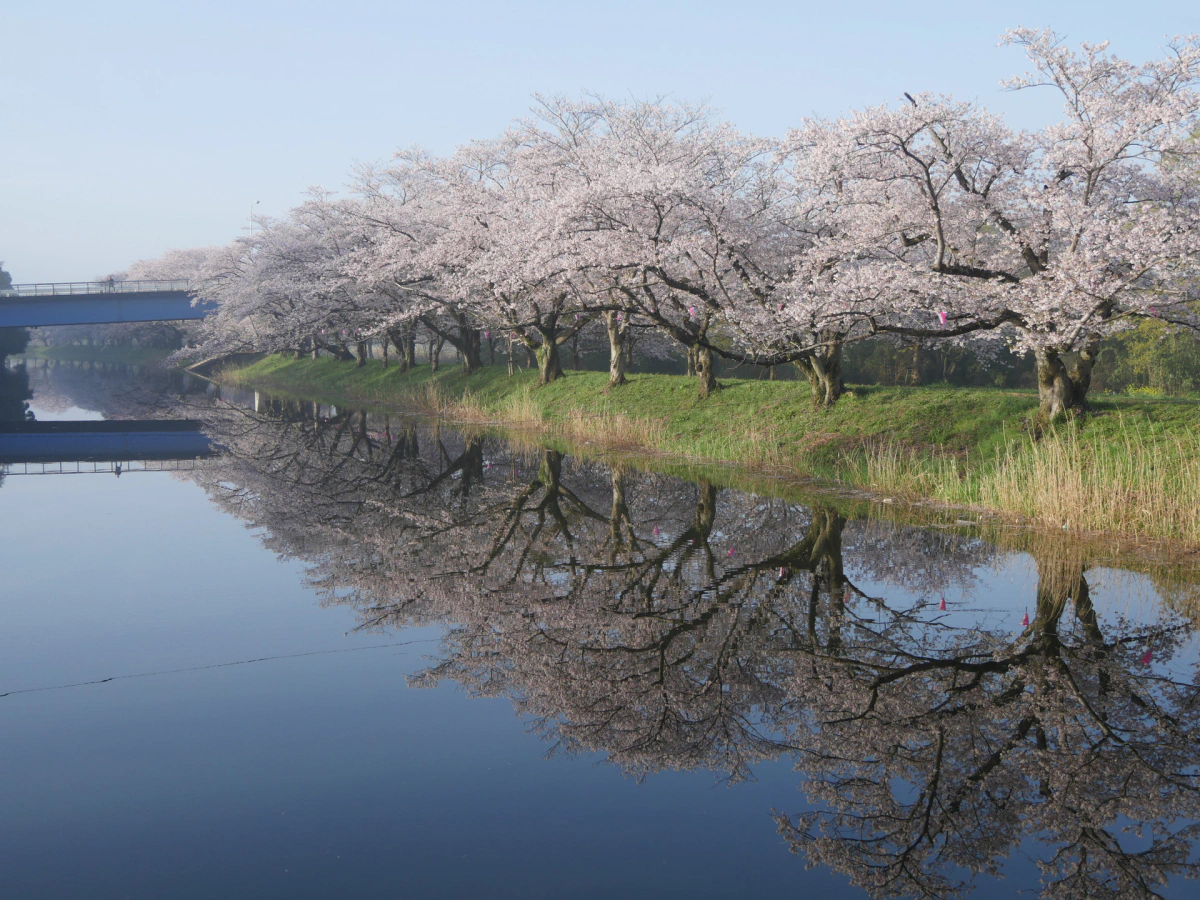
(671, 624)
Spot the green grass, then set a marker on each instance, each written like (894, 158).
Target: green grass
(963, 446)
(133, 356)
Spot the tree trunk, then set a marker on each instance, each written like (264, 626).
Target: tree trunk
(1063, 389)
(409, 350)
(1080, 371)
(399, 339)
(549, 367)
(691, 361)
(616, 350)
(386, 340)
(1056, 394)
(706, 375)
(491, 350)
(824, 373)
(575, 351)
(469, 347)
(530, 359)
(435, 352)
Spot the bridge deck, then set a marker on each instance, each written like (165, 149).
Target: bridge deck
(99, 303)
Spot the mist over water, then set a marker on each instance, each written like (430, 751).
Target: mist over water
(357, 654)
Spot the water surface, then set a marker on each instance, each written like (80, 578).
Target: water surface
(356, 655)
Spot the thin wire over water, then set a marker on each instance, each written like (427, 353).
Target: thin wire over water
(240, 662)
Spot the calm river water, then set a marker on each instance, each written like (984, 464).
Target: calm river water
(352, 655)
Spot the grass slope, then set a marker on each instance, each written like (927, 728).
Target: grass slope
(1133, 465)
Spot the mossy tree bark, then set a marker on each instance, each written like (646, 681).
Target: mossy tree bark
(1063, 386)
(706, 373)
(548, 362)
(617, 331)
(823, 369)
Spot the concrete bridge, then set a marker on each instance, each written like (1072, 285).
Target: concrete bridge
(98, 303)
(130, 441)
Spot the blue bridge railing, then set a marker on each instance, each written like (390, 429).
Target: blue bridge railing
(69, 288)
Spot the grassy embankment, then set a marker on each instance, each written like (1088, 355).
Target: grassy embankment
(1133, 467)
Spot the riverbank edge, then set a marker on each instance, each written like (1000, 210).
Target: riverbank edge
(956, 448)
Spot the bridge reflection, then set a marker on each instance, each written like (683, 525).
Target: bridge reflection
(82, 447)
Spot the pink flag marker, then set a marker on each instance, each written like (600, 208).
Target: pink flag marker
(782, 571)
(731, 551)
(691, 311)
(942, 318)
(1146, 659)
(656, 531)
(1025, 620)
(942, 605)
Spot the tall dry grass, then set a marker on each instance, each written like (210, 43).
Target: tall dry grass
(521, 413)
(1140, 484)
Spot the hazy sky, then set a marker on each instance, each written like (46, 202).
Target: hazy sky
(131, 128)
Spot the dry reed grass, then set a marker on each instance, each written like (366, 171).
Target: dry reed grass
(1140, 484)
(521, 413)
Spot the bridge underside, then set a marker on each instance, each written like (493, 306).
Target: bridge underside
(53, 442)
(102, 308)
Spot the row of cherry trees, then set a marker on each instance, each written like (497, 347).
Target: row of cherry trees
(930, 220)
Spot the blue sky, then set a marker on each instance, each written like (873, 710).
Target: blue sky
(132, 128)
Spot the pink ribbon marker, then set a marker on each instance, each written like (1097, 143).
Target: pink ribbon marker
(1025, 620)
(942, 605)
(782, 571)
(942, 318)
(691, 311)
(656, 531)
(731, 551)
(1146, 659)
